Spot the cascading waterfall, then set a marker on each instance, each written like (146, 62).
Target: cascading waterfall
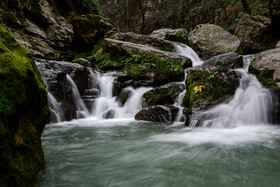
(188, 52)
(107, 105)
(82, 110)
(251, 104)
(55, 108)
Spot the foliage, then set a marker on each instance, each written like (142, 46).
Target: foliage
(92, 5)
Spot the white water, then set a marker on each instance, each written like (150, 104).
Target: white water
(82, 110)
(55, 108)
(107, 103)
(251, 104)
(188, 52)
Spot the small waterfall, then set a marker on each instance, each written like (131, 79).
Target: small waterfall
(82, 110)
(107, 105)
(251, 104)
(56, 112)
(188, 52)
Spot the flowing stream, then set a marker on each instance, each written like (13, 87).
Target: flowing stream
(234, 146)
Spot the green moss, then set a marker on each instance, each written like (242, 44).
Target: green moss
(183, 38)
(266, 78)
(167, 47)
(212, 88)
(24, 112)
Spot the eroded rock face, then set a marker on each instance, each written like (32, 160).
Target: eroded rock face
(211, 40)
(229, 60)
(90, 28)
(159, 113)
(254, 33)
(24, 112)
(54, 74)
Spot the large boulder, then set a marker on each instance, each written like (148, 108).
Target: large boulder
(270, 62)
(131, 37)
(176, 35)
(89, 29)
(159, 113)
(207, 86)
(163, 95)
(24, 112)
(229, 60)
(254, 33)
(129, 48)
(211, 40)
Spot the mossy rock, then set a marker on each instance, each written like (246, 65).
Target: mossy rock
(24, 112)
(206, 85)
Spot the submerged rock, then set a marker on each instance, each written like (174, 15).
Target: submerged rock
(210, 40)
(229, 60)
(254, 33)
(158, 113)
(24, 112)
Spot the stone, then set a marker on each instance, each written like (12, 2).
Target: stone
(270, 60)
(163, 95)
(209, 40)
(128, 48)
(90, 28)
(24, 112)
(207, 86)
(176, 35)
(159, 113)
(229, 60)
(254, 33)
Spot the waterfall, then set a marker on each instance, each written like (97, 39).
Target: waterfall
(55, 108)
(107, 105)
(188, 52)
(251, 104)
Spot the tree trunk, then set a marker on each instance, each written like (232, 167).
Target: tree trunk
(246, 7)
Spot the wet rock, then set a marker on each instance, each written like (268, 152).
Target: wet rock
(211, 40)
(229, 60)
(158, 113)
(254, 33)
(109, 114)
(54, 74)
(164, 95)
(207, 86)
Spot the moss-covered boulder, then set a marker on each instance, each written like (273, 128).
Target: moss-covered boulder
(210, 40)
(24, 112)
(164, 95)
(254, 33)
(208, 86)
